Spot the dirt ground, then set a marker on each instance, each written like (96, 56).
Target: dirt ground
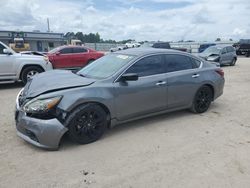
(179, 149)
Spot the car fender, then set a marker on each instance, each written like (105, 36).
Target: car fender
(76, 97)
(32, 62)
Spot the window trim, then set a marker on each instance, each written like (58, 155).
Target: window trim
(200, 66)
(87, 50)
(136, 60)
(65, 48)
(146, 57)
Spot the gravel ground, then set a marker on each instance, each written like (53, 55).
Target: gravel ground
(179, 149)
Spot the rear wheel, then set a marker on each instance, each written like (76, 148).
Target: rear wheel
(87, 123)
(202, 100)
(28, 72)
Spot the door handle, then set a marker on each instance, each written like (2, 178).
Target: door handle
(160, 83)
(195, 75)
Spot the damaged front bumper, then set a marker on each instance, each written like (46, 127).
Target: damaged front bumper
(39, 132)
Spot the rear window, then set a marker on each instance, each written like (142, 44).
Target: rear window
(179, 62)
(66, 51)
(230, 49)
(79, 50)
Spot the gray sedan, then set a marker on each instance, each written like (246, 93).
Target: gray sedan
(117, 88)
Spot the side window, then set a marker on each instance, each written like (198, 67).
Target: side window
(196, 63)
(66, 51)
(178, 63)
(1, 49)
(229, 49)
(148, 66)
(224, 51)
(79, 50)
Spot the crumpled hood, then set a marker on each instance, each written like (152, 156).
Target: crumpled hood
(27, 56)
(52, 81)
(205, 55)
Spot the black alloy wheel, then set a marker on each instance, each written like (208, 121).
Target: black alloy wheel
(202, 100)
(87, 123)
(233, 62)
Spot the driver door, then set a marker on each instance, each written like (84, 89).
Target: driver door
(147, 94)
(6, 65)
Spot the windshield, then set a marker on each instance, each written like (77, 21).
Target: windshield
(213, 50)
(105, 66)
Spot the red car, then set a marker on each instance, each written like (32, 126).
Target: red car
(72, 57)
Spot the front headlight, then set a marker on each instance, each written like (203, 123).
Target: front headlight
(39, 106)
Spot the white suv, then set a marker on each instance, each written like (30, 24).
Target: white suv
(15, 66)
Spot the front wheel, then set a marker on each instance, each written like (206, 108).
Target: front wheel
(87, 123)
(233, 62)
(202, 100)
(28, 72)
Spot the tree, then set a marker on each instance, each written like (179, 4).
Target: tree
(218, 39)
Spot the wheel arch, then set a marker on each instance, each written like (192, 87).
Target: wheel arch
(211, 87)
(28, 65)
(103, 106)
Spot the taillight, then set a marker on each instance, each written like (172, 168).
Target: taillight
(220, 72)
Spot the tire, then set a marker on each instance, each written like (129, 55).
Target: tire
(202, 100)
(247, 54)
(87, 123)
(233, 62)
(29, 72)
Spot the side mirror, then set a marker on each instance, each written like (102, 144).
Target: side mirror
(129, 77)
(7, 51)
(58, 53)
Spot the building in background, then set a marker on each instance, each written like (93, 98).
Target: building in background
(34, 41)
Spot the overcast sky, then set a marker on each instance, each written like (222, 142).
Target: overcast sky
(169, 20)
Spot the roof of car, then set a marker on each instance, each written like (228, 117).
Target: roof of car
(222, 45)
(145, 51)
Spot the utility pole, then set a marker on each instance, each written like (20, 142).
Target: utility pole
(48, 24)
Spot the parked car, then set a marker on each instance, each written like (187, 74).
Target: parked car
(132, 44)
(166, 45)
(222, 54)
(204, 46)
(117, 88)
(72, 57)
(243, 47)
(15, 66)
(118, 48)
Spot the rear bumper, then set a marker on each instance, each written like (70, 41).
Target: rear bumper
(219, 87)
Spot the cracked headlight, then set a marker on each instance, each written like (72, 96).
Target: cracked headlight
(38, 106)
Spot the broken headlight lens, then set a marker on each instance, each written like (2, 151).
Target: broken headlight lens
(41, 105)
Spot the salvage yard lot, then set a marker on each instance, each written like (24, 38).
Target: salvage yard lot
(179, 149)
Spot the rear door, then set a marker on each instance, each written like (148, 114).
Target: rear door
(80, 57)
(183, 80)
(231, 53)
(225, 56)
(146, 95)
